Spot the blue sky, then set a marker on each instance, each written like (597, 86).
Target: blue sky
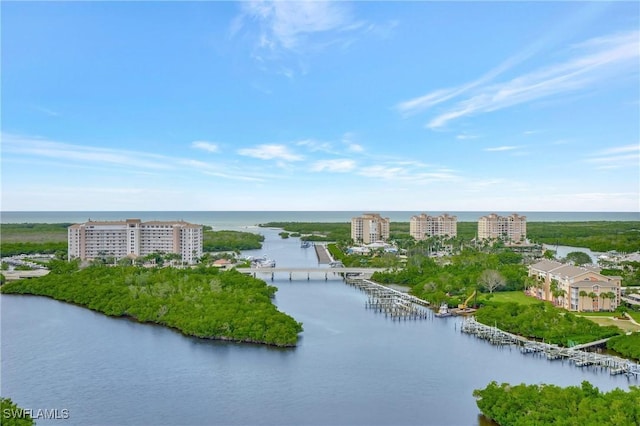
(421, 106)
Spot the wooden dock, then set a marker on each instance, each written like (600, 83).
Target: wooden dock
(392, 303)
(576, 354)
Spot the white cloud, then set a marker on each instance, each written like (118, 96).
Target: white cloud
(205, 146)
(621, 149)
(289, 24)
(352, 146)
(616, 157)
(501, 148)
(593, 61)
(420, 103)
(337, 165)
(332, 148)
(270, 152)
(465, 136)
(383, 172)
(436, 97)
(314, 145)
(39, 147)
(410, 172)
(32, 150)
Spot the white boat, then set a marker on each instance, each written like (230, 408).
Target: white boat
(263, 262)
(443, 311)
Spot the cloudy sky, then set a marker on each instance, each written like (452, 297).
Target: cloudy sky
(363, 106)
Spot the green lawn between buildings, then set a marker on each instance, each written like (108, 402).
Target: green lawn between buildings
(510, 296)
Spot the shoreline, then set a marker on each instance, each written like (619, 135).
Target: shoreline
(153, 323)
(250, 218)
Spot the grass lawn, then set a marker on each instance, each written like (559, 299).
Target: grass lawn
(511, 296)
(599, 314)
(634, 315)
(621, 324)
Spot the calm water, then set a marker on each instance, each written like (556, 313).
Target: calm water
(226, 220)
(352, 366)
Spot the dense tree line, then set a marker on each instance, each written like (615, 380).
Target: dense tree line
(457, 277)
(32, 238)
(531, 405)
(626, 345)
(600, 236)
(202, 302)
(628, 270)
(315, 231)
(12, 415)
(51, 247)
(231, 241)
(542, 321)
(20, 232)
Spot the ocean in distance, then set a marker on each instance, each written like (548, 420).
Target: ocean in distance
(234, 219)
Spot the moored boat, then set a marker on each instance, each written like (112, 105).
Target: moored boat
(443, 311)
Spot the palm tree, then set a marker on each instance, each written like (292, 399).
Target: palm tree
(608, 295)
(594, 299)
(582, 295)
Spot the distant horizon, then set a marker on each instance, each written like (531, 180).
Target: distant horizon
(244, 218)
(340, 210)
(328, 211)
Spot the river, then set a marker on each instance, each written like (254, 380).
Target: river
(351, 367)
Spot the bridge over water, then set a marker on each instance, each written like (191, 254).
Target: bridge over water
(302, 273)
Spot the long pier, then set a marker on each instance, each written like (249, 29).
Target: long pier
(392, 303)
(579, 357)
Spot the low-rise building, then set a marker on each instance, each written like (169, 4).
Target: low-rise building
(424, 226)
(575, 288)
(133, 238)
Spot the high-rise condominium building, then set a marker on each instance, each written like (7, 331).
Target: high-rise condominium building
(134, 238)
(423, 226)
(508, 228)
(369, 228)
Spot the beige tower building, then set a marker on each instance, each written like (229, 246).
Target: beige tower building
(134, 238)
(508, 228)
(369, 228)
(423, 226)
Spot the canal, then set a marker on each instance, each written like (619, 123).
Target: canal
(351, 367)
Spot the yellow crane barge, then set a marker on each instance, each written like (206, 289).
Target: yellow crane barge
(463, 308)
